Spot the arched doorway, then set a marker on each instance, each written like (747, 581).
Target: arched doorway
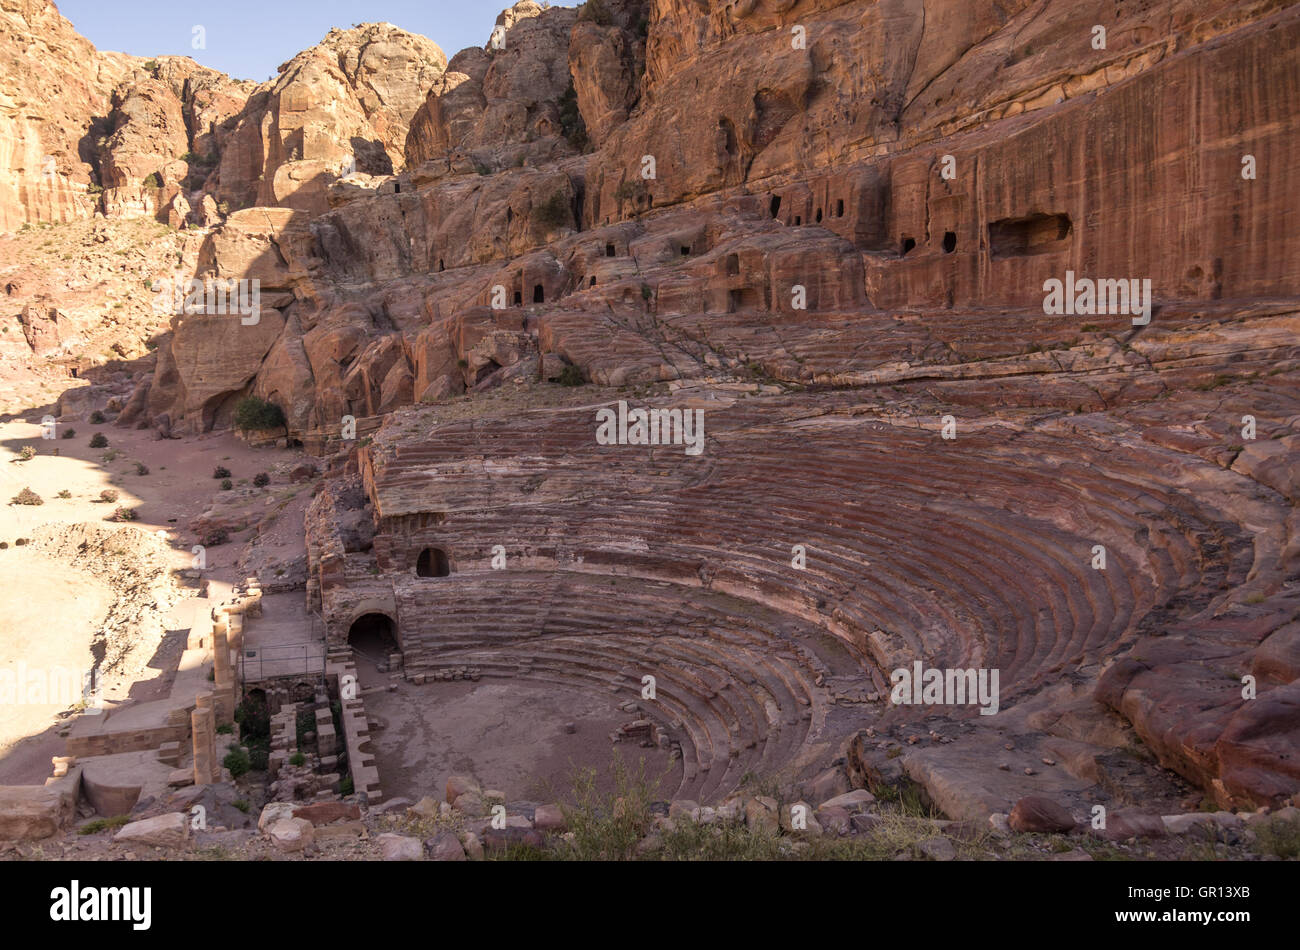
(373, 635)
(432, 562)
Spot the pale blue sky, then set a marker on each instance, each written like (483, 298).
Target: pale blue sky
(249, 39)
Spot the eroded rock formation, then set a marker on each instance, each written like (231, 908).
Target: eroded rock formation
(831, 225)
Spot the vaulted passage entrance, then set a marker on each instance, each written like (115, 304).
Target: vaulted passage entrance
(432, 562)
(373, 636)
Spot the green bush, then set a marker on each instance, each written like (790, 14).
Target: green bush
(108, 495)
(596, 12)
(97, 418)
(572, 126)
(141, 468)
(69, 433)
(261, 479)
(28, 497)
(237, 761)
(221, 472)
(297, 759)
(227, 484)
(252, 413)
(27, 454)
(98, 441)
(152, 180)
(571, 376)
(259, 759)
(553, 213)
(64, 493)
(103, 824)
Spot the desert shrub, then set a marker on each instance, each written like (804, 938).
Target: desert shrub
(98, 441)
(69, 433)
(28, 497)
(571, 376)
(237, 761)
(141, 468)
(97, 418)
(345, 786)
(608, 827)
(254, 413)
(240, 803)
(96, 825)
(596, 12)
(297, 759)
(572, 127)
(553, 213)
(124, 514)
(64, 493)
(152, 180)
(227, 484)
(261, 479)
(225, 729)
(109, 495)
(4, 545)
(19, 542)
(259, 759)
(221, 472)
(27, 454)
(214, 537)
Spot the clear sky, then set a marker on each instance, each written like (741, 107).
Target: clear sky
(249, 39)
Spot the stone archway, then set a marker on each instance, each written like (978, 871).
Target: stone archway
(432, 562)
(373, 635)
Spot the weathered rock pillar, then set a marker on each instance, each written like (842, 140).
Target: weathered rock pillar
(223, 695)
(204, 728)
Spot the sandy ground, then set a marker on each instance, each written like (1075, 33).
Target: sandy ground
(49, 612)
(507, 734)
(45, 659)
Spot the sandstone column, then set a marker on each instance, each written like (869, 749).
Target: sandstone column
(204, 732)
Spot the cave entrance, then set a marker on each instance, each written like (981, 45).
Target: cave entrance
(373, 635)
(432, 562)
(539, 294)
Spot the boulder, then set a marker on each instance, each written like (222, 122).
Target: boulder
(1034, 813)
(400, 848)
(162, 831)
(445, 846)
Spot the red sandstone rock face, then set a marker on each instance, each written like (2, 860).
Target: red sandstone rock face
(56, 84)
(798, 232)
(501, 105)
(341, 106)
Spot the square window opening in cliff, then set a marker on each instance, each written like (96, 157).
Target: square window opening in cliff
(908, 245)
(1033, 234)
(733, 265)
(593, 281)
(609, 250)
(798, 220)
(432, 562)
(745, 298)
(686, 250)
(949, 242)
(839, 208)
(775, 206)
(519, 298)
(539, 294)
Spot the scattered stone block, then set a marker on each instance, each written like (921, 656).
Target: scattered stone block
(162, 831)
